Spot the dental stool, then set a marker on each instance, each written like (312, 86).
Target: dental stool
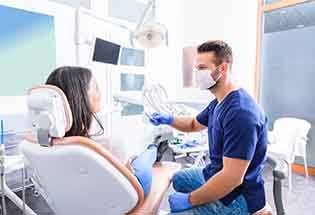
(78, 175)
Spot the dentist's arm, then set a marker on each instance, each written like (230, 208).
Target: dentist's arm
(221, 184)
(230, 177)
(185, 124)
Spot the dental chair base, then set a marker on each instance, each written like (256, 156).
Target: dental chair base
(11, 164)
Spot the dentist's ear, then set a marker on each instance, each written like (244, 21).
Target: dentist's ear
(224, 68)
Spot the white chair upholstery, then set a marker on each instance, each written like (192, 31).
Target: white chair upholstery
(288, 140)
(78, 175)
(78, 181)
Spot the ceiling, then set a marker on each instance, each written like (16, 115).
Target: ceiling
(298, 16)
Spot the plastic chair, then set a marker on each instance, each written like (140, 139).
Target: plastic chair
(78, 175)
(288, 140)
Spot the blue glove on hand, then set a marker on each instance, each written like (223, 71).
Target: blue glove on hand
(159, 119)
(179, 202)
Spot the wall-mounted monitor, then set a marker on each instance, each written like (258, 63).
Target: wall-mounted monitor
(105, 51)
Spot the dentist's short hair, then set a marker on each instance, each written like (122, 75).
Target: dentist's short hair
(221, 50)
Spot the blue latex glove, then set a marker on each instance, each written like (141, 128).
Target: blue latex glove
(179, 202)
(142, 166)
(160, 119)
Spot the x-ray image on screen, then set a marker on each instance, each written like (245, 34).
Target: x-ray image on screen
(131, 82)
(106, 52)
(132, 57)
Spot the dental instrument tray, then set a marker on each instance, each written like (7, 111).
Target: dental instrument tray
(181, 145)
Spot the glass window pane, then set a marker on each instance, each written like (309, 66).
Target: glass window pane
(299, 16)
(287, 66)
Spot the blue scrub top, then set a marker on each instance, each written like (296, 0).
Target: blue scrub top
(237, 128)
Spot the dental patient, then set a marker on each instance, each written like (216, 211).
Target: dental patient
(83, 94)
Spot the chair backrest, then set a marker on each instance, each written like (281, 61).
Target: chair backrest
(288, 132)
(78, 175)
(79, 181)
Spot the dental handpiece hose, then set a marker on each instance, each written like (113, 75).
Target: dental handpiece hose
(2, 170)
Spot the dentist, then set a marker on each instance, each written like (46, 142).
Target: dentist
(237, 132)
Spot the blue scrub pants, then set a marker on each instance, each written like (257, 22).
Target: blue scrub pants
(188, 180)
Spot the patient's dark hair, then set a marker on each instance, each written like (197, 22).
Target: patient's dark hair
(74, 82)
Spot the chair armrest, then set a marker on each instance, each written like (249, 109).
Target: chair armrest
(280, 170)
(280, 166)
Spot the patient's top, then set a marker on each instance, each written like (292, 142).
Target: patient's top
(237, 128)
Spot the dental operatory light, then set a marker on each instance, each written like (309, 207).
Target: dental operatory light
(150, 34)
(147, 33)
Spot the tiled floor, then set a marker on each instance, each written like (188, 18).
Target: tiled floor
(300, 201)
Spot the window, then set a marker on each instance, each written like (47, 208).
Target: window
(288, 55)
(286, 68)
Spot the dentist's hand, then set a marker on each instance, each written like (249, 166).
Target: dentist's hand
(179, 202)
(160, 119)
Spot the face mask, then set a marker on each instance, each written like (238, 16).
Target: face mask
(204, 79)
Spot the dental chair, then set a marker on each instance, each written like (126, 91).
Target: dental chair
(78, 175)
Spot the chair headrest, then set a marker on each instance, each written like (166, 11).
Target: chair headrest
(49, 110)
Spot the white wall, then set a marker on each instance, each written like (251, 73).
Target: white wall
(100, 7)
(192, 22)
